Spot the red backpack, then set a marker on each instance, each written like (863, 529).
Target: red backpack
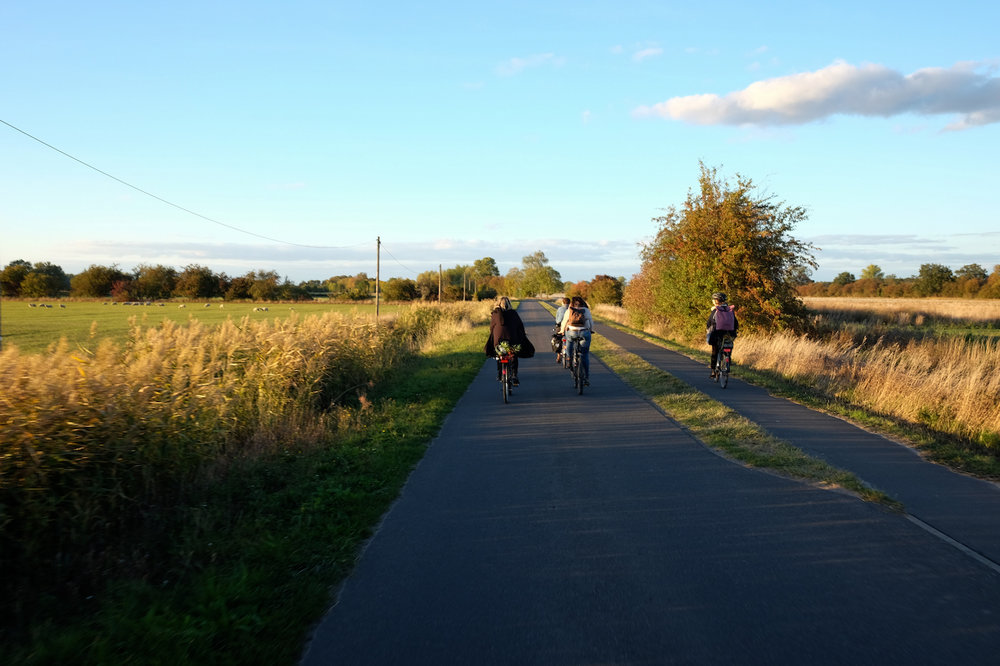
(725, 320)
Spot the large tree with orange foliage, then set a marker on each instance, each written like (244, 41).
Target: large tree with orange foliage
(725, 237)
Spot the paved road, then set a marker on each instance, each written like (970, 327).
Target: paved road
(565, 529)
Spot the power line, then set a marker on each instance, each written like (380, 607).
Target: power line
(398, 261)
(170, 203)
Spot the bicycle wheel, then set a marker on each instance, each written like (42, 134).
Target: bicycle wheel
(505, 384)
(724, 370)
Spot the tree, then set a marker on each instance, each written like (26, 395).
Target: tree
(872, 272)
(264, 285)
(844, 279)
(154, 282)
(427, 285)
(13, 275)
(724, 238)
(239, 288)
(399, 289)
(972, 272)
(197, 282)
(605, 289)
(96, 281)
(932, 279)
(537, 276)
(44, 279)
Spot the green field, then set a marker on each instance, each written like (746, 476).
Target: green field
(84, 323)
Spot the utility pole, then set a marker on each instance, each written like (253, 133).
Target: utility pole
(378, 261)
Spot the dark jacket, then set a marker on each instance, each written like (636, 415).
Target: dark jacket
(507, 325)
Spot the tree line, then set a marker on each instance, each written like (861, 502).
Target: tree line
(969, 281)
(476, 281)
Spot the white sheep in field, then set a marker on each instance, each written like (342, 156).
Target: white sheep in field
(182, 305)
(208, 305)
(32, 305)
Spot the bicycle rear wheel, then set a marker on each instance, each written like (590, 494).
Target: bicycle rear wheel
(505, 384)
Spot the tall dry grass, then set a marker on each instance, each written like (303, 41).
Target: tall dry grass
(97, 444)
(949, 383)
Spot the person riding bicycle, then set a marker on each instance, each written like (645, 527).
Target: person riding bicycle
(577, 324)
(506, 324)
(721, 322)
(560, 311)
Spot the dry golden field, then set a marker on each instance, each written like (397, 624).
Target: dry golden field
(912, 310)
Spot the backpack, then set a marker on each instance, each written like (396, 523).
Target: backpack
(725, 320)
(577, 318)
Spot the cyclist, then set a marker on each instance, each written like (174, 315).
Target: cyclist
(506, 324)
(577, 324)
(563, 306)
(721, 322)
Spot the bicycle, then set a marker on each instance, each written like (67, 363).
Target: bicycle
(723, 360)
(504, 355)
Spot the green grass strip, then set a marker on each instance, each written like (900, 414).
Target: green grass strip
(724, 430)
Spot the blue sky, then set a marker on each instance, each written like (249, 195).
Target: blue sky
(289, 136)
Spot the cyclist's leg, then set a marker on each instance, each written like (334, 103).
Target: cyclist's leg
(715, 343)
(513, 369)
(585, 356)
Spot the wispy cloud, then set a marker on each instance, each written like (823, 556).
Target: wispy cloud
(969, 89)
(639, 56)
(515, 66)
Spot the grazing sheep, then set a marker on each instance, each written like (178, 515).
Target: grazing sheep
(182, 305)
(62, 305)
(32, 305)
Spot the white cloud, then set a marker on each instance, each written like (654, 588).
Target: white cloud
(585, 117)
(968, 89)
(639, 56)
(517, 65)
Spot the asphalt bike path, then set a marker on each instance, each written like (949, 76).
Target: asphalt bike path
(569, 529)
(959, 507)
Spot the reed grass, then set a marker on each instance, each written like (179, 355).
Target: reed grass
(100, 448)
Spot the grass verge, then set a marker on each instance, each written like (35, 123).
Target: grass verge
(724, 429)
(253, 568)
